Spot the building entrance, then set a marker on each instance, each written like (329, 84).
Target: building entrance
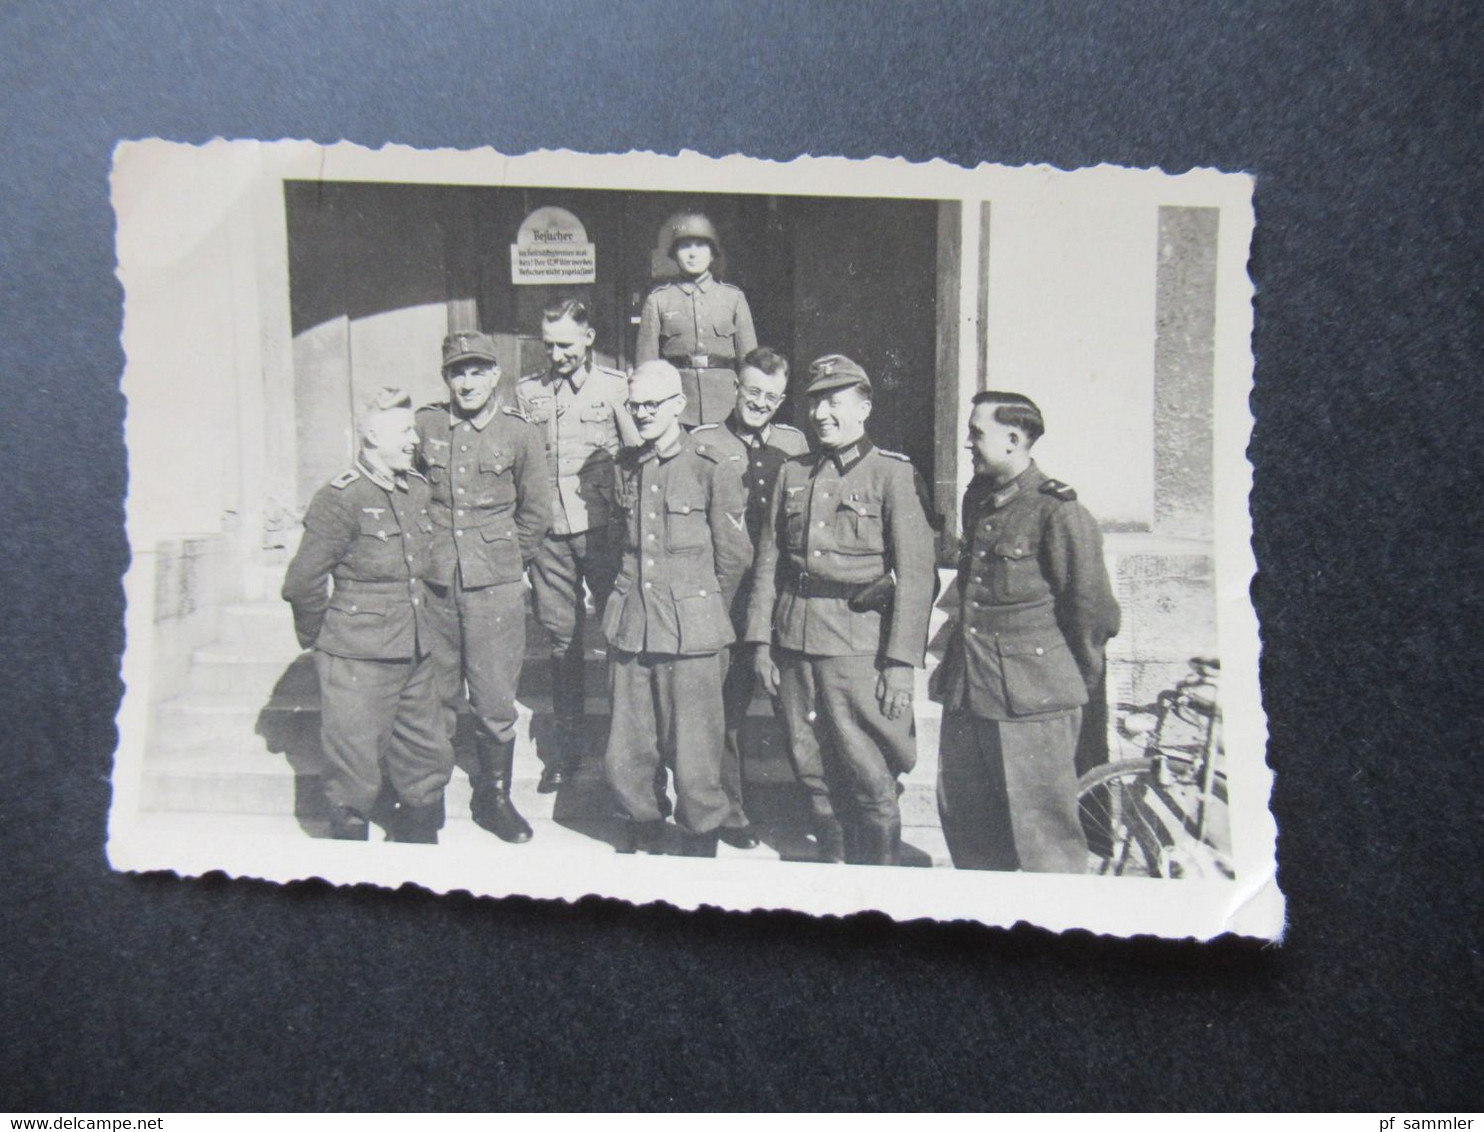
(379, 273)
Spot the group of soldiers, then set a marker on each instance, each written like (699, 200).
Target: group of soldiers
(725, 552)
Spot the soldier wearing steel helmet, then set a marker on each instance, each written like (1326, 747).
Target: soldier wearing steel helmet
(700, 325)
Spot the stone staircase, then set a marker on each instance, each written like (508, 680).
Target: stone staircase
(242, 746)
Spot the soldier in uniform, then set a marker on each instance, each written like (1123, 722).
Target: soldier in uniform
(753, 447)
(579, 408)
(847, 527)
(491, 506)
(698, 324)
(356, 589)
(1035, 612)
(685, 551)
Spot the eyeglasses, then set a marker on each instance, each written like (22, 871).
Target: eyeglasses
(649, 408)
(767, 400)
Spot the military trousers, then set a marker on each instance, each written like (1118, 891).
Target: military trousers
(1007, 793)
(479, 641)
(840, 741)
(667, 711)
(381, 716)
(563, 565)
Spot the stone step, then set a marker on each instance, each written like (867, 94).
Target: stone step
(276, 768)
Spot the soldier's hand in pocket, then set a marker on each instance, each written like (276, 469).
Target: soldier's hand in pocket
(894, 690)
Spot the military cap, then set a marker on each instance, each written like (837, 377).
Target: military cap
(834, 371)
(466, 344)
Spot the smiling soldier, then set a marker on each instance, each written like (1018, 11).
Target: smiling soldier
(844, 578)
(753, 446)
(1035, 613)
(685, 551)
(491, 506)
(356, 587)
(578, 407)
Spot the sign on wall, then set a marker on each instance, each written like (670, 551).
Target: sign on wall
(552, 247)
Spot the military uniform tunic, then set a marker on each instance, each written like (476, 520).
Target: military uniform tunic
(755, 456)
(685, 551)
(579, 420)
(703, 328)
(839, 521)
(491, 505)
(356, 588)
(1035, 612)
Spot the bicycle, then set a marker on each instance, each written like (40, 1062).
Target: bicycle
(1164, 814)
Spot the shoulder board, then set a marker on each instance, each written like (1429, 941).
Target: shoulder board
(537, 376)
(516, 412)
(895, 455)
(703, 449)
(787, 427)
(1060, 490)
(417, 475)
(345, 479)
(705, 428)
(618, 373)
(434, 407)
(728, 286)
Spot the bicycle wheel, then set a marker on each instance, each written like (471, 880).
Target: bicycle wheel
(1126, 819)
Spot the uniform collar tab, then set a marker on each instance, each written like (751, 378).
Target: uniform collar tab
(387, 481)
(849, 456)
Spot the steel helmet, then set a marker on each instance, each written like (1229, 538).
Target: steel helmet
(690, 226)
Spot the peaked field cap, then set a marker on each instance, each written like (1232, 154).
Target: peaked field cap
(466, 345)
(834, 371)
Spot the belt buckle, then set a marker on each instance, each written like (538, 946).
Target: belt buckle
(701, 361)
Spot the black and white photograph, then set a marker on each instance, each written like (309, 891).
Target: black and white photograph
(830, 535)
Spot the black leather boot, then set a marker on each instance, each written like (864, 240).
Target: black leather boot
(831, 838)
(419, 825)
(561, 768)
(646, 837)
(876, 845)
(347, 825)
(491, 806)
(697, 844)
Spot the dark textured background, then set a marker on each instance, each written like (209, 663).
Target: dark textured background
(1362, 123)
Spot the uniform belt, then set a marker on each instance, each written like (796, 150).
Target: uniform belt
(701, 361)
(805, 584)
(355, 585)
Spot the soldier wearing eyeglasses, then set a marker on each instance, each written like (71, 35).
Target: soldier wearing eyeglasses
(753, 445)
(685, 551)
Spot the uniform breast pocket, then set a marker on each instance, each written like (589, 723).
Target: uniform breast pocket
(724, 325)
(686, 530)
(598, 428)
(437, 467)
(858, 527)
(496, 480)
(381, 526)
(537, 409)
(1016, 571)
